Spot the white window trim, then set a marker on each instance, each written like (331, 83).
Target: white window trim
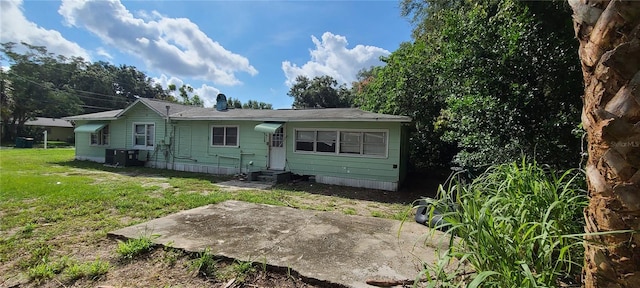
(225, 136)
(133, 136)
(99, 133)
(337, 153)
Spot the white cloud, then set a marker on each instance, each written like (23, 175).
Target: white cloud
(103, 52)
(175, 46)
(207, 93)
(15, 27)
(332, 57)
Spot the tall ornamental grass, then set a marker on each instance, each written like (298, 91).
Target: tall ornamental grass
(513, 226)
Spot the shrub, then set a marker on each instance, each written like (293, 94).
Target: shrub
(515, 225)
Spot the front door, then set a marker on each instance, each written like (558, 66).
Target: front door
(277, 150)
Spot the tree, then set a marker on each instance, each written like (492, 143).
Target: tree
(320, 92)
(40, 86)
(500, 74)
(609, 36)
(253, 104)
(185, 92)
(407, 85)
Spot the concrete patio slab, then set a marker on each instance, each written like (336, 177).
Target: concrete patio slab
(326, 246)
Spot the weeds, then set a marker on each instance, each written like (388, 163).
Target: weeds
(91, 270)
(205, 263)
(134, 247)
(512, 224)
(242, 269)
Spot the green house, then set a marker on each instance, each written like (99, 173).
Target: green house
(342, 146)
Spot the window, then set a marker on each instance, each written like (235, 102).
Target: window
(326, 141)
(365, 143)
(224, 135)
(143, 135)
(101, 137)
(316, 141)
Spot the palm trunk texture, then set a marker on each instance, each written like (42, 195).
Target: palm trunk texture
(609, 35)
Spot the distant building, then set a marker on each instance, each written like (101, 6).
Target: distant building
(57, 129)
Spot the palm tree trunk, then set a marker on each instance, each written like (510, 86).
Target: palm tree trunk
(609, 35)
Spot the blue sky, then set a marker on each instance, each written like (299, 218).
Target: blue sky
(250, 50)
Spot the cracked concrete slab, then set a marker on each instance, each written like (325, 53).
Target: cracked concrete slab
(326, 246)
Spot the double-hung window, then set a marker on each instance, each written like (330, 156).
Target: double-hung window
(101, 137)
(224, 136)
(143, 135)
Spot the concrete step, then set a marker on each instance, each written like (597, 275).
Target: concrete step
(266, 178)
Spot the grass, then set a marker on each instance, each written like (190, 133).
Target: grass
(135, 247)
(515, 227)
(205, 264)
(51, 204)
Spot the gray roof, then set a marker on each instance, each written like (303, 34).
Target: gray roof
(184, 112)
(49, 122)
(107, 115)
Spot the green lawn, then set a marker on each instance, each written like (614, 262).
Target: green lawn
(51, 204)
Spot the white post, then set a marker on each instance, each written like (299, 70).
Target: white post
(45, 139)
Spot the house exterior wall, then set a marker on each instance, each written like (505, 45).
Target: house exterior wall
(349, 170)
(186, 146)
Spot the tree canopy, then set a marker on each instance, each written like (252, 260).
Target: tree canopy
(319, 92)
(41, 84)
(496, 79)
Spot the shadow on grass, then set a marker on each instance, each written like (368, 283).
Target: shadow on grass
(138, 171)
(416, 186)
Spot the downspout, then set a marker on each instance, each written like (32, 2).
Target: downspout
(167, 145)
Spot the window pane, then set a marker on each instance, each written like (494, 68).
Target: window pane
(232, 136)
(140, 129)
(305, 135)
(94, 138)
(326, 141)
(304, 146)
(150, 134)
(304, 140)
(350, 142)
(218, 136)
(374, 143)
(140, 140)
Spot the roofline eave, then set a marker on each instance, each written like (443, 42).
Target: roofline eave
(287, 120)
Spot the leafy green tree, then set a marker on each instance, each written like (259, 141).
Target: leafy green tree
(407, 85)
(185, 92)
(40, 86)
(495, 78)
(234, 103)
(320, 92)
(253, 104)
(511, 83)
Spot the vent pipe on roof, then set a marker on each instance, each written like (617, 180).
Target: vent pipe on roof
(221, 102)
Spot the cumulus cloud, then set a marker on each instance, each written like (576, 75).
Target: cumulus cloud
(15, 27)
(207, 93)
(102, 52)
(175, 46)
(332, 57)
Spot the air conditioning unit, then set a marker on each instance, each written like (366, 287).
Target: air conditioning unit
(122, 157)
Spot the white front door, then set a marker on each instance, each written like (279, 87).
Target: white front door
(277, 150)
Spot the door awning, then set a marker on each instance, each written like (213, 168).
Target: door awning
(268, 127)
(89, 128)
